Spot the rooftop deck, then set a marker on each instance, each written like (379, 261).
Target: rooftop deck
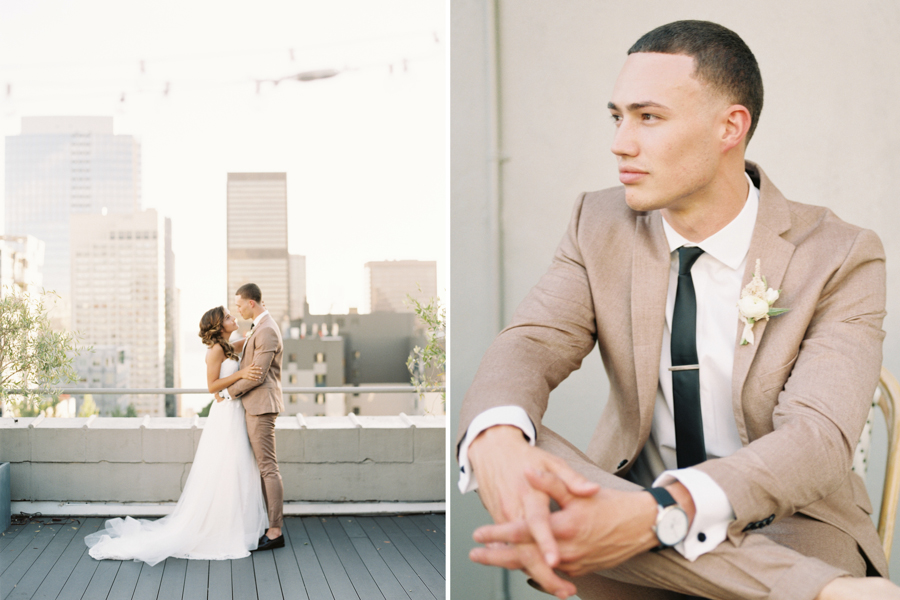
(325, 558)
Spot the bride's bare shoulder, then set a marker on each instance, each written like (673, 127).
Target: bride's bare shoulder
(215, 354)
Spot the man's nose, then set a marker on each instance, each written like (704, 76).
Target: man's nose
(624, 140)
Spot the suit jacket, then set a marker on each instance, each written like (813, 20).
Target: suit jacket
(800, 394)
(263, 348)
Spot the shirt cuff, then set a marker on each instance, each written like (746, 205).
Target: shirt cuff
(499, 415)
(714, 511)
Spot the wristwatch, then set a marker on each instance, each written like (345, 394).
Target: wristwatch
(672, 522)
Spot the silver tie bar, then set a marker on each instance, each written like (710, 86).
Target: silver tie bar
(685, 368)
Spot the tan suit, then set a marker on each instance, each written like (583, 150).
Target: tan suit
(800, 394)
(262, 402)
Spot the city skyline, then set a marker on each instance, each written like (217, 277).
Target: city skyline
(363, 151)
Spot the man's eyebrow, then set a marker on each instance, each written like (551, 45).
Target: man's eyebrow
(636, 105)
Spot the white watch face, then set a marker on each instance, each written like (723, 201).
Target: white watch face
(671, 526)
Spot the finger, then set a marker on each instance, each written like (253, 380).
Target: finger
(537, 517)
(497, 555)
(512, 532)
(528, 558)
(576, 483)
(550, 484)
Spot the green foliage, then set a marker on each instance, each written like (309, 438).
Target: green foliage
(88, 407)
(129, 412)
(34, 359)
(205, 411)
(427, 365)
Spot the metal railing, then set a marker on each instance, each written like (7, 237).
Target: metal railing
(347, 389)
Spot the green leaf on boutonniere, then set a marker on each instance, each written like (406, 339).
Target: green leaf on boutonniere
(774, 312)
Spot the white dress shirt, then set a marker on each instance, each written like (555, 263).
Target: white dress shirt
(717, 275)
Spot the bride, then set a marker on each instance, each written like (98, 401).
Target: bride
(221, 513)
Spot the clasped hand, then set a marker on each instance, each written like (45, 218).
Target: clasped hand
(594, 529)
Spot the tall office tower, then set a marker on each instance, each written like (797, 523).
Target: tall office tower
(21, 263)
(173, 326)
(119, 295)
(257, 238)
(63, 166)
(389, 282)
(297, 279)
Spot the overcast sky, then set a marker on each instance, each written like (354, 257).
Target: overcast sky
(363, 151)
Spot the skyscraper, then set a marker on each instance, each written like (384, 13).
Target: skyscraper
(63, 166)
(257, 238)
(173, 327)
(388, 283)
(297, 280)
(119, 296)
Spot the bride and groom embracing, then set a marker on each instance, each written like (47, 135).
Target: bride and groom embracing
(223, 512)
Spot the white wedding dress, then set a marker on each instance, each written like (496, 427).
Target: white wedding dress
(221, 513)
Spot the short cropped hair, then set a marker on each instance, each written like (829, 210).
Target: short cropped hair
(249, 291)
(721, 59)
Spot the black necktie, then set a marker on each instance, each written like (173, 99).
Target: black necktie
(689, 443)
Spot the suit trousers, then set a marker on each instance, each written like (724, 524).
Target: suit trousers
(792, 559)
(261, 430)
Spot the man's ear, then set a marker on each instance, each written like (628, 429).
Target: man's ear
(736, 126)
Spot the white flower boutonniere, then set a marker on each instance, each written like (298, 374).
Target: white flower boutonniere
(756, 304)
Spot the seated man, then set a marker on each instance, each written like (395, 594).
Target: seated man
(741, 333)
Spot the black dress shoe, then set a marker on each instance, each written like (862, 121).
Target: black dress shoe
(266, 544)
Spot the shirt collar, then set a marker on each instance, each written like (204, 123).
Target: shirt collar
(730, 244)
(259, 318)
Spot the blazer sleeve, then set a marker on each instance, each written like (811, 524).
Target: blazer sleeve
(551, 332)
(265, 346)
(822, 406)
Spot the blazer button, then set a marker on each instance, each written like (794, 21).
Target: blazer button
(622, 464)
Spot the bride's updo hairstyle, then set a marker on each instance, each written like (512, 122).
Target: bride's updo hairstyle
(212, 331)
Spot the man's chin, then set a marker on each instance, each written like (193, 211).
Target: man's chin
(637, 201)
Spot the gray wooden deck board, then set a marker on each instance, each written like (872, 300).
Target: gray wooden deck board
(325, 558)
(338, 581)
(126, 580)
(61, 571)
(360, 577)
(268, 586)
(411, 581)
(428, 549)
(172, 585)
(428, 529)
(35, 576)
(243, 581)
(432, 577)
(196, 580)
(20, 565)
(289, 571)
(439, 521)
(219, 579)
(103, 579)
(313, 576)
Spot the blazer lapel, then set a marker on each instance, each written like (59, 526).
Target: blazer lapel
(649, 286)
(774, 254)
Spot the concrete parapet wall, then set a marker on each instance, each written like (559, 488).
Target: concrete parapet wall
(322, 459)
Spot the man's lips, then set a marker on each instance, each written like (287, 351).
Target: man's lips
(627, 176)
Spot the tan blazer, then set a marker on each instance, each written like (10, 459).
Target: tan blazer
(800, 394)
(263, 348)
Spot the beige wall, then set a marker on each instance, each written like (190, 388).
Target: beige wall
(531, 131)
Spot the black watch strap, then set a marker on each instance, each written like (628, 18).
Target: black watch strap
(663, 497)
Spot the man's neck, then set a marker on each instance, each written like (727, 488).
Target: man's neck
(721, 203)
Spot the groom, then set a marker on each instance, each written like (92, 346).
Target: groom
(756, 438)
(262, 402)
